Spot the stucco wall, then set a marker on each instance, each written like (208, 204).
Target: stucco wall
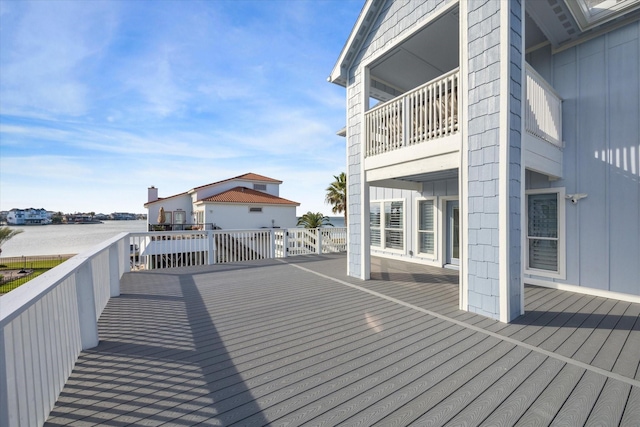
(234, 217)
(599, 81)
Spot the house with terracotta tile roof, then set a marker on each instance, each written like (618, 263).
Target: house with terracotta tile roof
(247, 201)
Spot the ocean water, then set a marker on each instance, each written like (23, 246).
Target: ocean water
(63, 239)
(76, 238)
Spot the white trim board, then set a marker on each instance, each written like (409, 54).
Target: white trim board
(583, 290)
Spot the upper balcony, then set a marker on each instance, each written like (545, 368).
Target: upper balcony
(424, 122)
(415, 129)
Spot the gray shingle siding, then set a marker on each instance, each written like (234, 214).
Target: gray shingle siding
(483, 187)
(395, 20)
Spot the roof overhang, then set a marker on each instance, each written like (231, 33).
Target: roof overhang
(368, 15)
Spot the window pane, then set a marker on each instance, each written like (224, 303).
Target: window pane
(374, 224)
(374, 215)
(426, 215)
(543, 215)
(426, 242)
(393, 214)
(179, 217)
(375, 237)
(393, 239)
(543, 254)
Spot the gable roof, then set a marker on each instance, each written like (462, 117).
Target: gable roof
(250, 176)
(367, 17)
(246, 177)
(248, 196)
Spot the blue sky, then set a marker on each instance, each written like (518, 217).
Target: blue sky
(101, 99)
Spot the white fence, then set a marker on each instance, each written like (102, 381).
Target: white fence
(543, 109)
(156, 250)
(47, 322)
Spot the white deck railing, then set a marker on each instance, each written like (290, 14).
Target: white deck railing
(423, 114)
(47, 322)
(543, 108)
(168, 249)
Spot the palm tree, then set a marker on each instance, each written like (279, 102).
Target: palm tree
(314, 220)
(337, 195)
(6, 234)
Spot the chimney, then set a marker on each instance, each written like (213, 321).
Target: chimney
(152, 194)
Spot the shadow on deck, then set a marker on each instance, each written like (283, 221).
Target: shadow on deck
(297, 341)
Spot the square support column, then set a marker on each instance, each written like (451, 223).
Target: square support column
(492, 62)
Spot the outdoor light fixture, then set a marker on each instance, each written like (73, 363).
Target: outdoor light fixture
(575, 197)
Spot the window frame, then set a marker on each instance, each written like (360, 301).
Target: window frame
(436, 220)
(383, 228)
(560, 273)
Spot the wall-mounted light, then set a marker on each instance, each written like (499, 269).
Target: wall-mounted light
(575, 197)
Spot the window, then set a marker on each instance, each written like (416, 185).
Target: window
(426, 232)
(255, 210)
(200, 217)
(374, 223)
(261, 187)
(394, 225)
(386, 222)
(180, 217)
(545, 239)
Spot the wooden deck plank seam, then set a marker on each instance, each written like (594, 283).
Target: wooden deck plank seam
(568, 360)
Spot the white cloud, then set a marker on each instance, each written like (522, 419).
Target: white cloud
(47, 49)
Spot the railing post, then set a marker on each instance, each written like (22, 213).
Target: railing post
(406, 120)
(319, 241)
(272, 235)
(285, 243)
(211, 259)
(114, 267)
(86, 306)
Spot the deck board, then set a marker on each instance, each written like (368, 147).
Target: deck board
(267, 343)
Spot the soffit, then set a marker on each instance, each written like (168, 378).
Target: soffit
(431, 52)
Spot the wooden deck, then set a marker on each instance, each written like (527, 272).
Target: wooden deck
(298, 342)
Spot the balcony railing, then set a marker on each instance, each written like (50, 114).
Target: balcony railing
(190, 248)
(181, 227)
(47, 322)
(423, 114)
(431, 111)
(543, 109)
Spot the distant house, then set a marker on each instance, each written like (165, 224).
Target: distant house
(248, 201)
(28, 216)
(500, 138)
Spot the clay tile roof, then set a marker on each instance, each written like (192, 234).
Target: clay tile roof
(247, 176)
(247, 195)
